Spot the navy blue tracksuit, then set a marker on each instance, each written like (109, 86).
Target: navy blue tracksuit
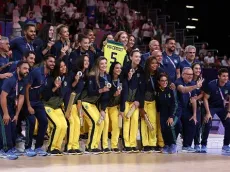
(166, 104)
(8, 132)
(170, 65)
(216, 106)
(186, 112)
(19, 47)
(37, 80)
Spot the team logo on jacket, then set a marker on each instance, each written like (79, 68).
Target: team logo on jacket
(20, 88)
(65, 83)
(138, 75)
(175, 61)
(226, 92)
(169, 95)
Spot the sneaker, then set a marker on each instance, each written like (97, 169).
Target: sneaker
(11, 155)
(203, 149)
(157, 149)
(55, 152)
(151, 148)
(225, 149)
(40, 152)
(2, 153)
(116, 150)
(30, 152)
(106, 150)
(197, 148)
(127, 150)
(188, 149)
(146, 149)
(87, 151)
(69, 152)
(165, 149)
(17, 152)
(172, 149)
(96, 151)
(78, 152)
(135, 150)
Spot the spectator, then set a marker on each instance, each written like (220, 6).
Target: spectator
(209, 59)
(147, 30)
(46, 12)
(31, 19)
(203, 50)
(224, 62)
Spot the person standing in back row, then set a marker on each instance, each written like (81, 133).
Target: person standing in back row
(171, 61)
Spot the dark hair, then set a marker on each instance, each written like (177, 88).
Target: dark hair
(20, 63)
(26, 27)
(56, 71)
(46, 57)
(112, 68)
(134, 51)
(104, 38)
(87, 31)
(147, 65)
(222, 70)
(159, 78)
(44, 32)
(169, 39)
(81, 37)
(78, 65)
(27, 53)
(196, 63)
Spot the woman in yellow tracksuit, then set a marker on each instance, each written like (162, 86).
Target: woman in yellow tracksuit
(94, 99)
(116, 103)
(54, 95)
(149, 113)
(79, 76)
(134, 75)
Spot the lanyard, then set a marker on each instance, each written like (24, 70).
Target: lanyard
(171, 62)
(152, 83)
(16, 93)
(221, 94)
(118, 83)
(31, 48)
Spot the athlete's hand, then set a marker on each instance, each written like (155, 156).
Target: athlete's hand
(169, 121)
(142, 113)
(207, 117)
(194, 119)
(15, 119)
(136, 104)
(6, 118)
(31, 110)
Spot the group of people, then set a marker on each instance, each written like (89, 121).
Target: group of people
(64, 90)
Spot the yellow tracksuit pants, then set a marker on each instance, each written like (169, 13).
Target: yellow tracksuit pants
(58, 127)
(92, 115)
(73, 130)
(114, 118)
(105, 131)
(148, 137)
(130, 126)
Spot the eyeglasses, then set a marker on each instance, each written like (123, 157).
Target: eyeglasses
(163, 80)
(191, 52)
(190, 74)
